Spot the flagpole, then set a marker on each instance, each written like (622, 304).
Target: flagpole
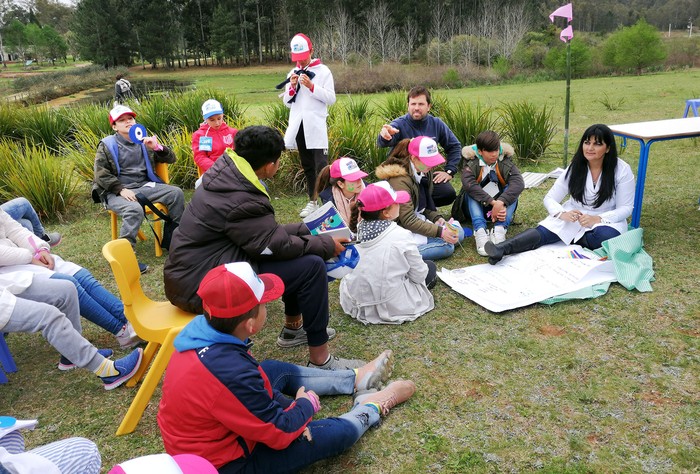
(566, 105)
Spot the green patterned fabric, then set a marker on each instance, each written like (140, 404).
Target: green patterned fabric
(633, 267)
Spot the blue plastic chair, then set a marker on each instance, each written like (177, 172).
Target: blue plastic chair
(8, 363)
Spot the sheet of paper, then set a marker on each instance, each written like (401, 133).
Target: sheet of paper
(491, 188)
(527, 278)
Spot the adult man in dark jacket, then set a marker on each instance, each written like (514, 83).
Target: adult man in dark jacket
(231, 219)
(418, 122)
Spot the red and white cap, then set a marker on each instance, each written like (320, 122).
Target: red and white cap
(118, 111)
(301, 47)
(165, 464)
(380, 195)
(233, 289)
(347, 169)
(426, 150)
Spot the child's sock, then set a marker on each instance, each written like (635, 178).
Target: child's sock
(106, 369)
(374, 405)
(293, 322)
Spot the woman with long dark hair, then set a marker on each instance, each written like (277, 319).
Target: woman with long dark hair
(601, 198)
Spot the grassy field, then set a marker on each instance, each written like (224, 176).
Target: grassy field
(603, 385)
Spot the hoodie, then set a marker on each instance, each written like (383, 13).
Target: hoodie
(222, 138)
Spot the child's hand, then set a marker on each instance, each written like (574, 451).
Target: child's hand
(310, 396)
(449, 236)
(152, 143)
(44, 259)
(339, 247)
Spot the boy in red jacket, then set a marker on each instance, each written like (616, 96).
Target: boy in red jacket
(213, 136)
(219, 403)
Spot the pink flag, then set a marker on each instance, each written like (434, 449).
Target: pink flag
(566, 34)
(564, 12)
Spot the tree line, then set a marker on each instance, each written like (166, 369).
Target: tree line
(242, 32)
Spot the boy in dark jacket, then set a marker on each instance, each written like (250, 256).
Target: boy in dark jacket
(493, 184)
(220, 403)
(231, 219)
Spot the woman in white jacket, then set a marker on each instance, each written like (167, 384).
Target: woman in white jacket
(601, 198)
(390, 284)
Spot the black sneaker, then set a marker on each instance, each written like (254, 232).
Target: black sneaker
(297, 337)
(143, 268)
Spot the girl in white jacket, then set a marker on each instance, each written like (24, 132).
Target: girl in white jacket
(390, 284)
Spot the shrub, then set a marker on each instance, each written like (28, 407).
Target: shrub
(347, 137)
(45, 180)
(183, 172)
(635, 47)
(580, 59)
(155, 114)
(290, 176)
(529, 130)
(277, 116)
(501, 66)
(467, 121)
(611, 103)
(9, 121)
(451, 78)
(81, 151)
(358, 109)
(394, 106)
(43, 125)
(89, 117)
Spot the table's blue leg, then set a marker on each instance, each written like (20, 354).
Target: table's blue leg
(641, 178)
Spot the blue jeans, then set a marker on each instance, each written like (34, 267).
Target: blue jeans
(329, 437)
(437, 249)
(96, 303)
(22, 211)
(593, 239)
(476, 211)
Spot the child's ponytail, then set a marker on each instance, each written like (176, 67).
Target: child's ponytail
(354, 216)
(322, 181)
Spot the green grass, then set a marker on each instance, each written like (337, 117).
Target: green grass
(603, 385)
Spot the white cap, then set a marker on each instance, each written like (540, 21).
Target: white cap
(211, 107)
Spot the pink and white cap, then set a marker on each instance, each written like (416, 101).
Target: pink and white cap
(301, 47)
(233, 289)
(380, 195)
(426, 150)
(347, 169)
(165, 464)
(118, 111)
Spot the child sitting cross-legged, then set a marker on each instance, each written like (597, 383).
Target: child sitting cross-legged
(391, 282)
(242, 415)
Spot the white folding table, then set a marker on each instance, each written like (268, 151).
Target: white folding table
(647, 133)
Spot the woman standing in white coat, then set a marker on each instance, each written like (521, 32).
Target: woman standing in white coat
(308, 94)
(601, 198)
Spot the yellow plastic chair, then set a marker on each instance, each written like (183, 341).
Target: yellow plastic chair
(162, 172)
(156, 322)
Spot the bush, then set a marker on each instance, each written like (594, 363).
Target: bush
(45, 180)
(155, 113)
(277, 116)
(467, 121)
(635, 47)
(81, 151)
(48, 86)
(43, 125)
(91, 117)
(580, 59)
(395, 105)
(183, 172)
(9, 121)
(528, 129)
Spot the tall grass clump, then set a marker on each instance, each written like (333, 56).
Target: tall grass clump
(81, 151)
(45, 180)
(89, 117)
(394, 105)
(347, 137)
(277, 116)
(186, 108)
(9, 120)
(290, 176)
(43, 125)
(530, 130)
(467, 121)
(155, 114)
(611, 103)
(183, 172)
(358, 109)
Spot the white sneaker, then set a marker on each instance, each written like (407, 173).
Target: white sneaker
(481, 237)
(499, 234)
(310, 207)
(127, 337)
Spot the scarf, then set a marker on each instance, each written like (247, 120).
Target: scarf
(369, 230)
(298, 71)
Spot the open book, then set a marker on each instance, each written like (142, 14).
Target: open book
(327, 220)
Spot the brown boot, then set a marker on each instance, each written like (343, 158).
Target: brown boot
(395, 393)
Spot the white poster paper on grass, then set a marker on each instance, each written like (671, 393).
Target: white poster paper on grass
(527, 278)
